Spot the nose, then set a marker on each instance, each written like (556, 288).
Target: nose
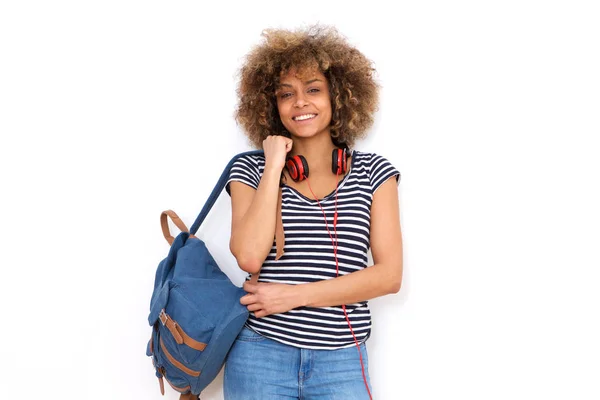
(300, 101)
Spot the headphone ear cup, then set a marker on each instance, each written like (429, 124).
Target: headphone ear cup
(304, 174)
(297, 168)
(339, 159)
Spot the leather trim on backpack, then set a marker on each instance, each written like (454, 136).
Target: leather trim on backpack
(279, 232)
(178, 333)
(188, 396)
(162, 385)
(182, 390)
(176, 363)
(165, 225)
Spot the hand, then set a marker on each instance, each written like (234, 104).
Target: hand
(276, 149)
(269, 298)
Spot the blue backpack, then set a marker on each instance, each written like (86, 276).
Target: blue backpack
(195, 310)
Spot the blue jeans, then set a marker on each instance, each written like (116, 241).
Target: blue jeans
(259, 368)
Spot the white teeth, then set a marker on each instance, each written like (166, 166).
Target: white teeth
(303, 117)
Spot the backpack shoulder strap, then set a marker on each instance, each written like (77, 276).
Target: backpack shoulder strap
(218, 189)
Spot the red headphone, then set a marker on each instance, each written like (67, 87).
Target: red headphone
(298, 167)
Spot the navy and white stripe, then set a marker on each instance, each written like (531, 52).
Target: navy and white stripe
(308, 251)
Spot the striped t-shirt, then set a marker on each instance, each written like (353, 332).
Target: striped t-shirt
(308, 251)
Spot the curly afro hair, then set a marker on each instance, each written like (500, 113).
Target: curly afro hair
(352, 88)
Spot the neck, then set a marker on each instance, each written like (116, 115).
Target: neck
(317, 151)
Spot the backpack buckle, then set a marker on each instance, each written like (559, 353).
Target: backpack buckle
(163, 317)
(172, 327)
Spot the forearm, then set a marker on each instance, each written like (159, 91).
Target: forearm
(374, 281)
(272, 298)
(252, 236)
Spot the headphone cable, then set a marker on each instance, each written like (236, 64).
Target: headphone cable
(337, 270)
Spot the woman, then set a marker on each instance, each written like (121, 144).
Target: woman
(304, 97)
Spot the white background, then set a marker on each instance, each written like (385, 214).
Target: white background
(111, 111)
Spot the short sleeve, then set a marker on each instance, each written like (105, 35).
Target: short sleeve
(244, 169)
(381, 170)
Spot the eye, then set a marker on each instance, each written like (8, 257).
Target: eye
(285, 95)
(313, 90)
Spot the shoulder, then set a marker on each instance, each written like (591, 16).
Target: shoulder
(378, 167)
(251, 160)
(370, 160)
(247, 169)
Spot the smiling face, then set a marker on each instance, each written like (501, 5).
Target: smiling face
(304, 104)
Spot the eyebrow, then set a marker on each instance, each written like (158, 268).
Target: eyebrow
(306, 83)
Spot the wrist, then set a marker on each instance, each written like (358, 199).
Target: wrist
(273, 170)
(301, 295)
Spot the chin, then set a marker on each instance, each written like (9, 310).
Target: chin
(307, 133)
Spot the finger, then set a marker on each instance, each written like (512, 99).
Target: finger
(248, 299)
(249, 287)
(254, 307)
(261, 313)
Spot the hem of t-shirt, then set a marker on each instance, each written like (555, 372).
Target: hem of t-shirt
(308, 347)
(394, 175)
(228, 190)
